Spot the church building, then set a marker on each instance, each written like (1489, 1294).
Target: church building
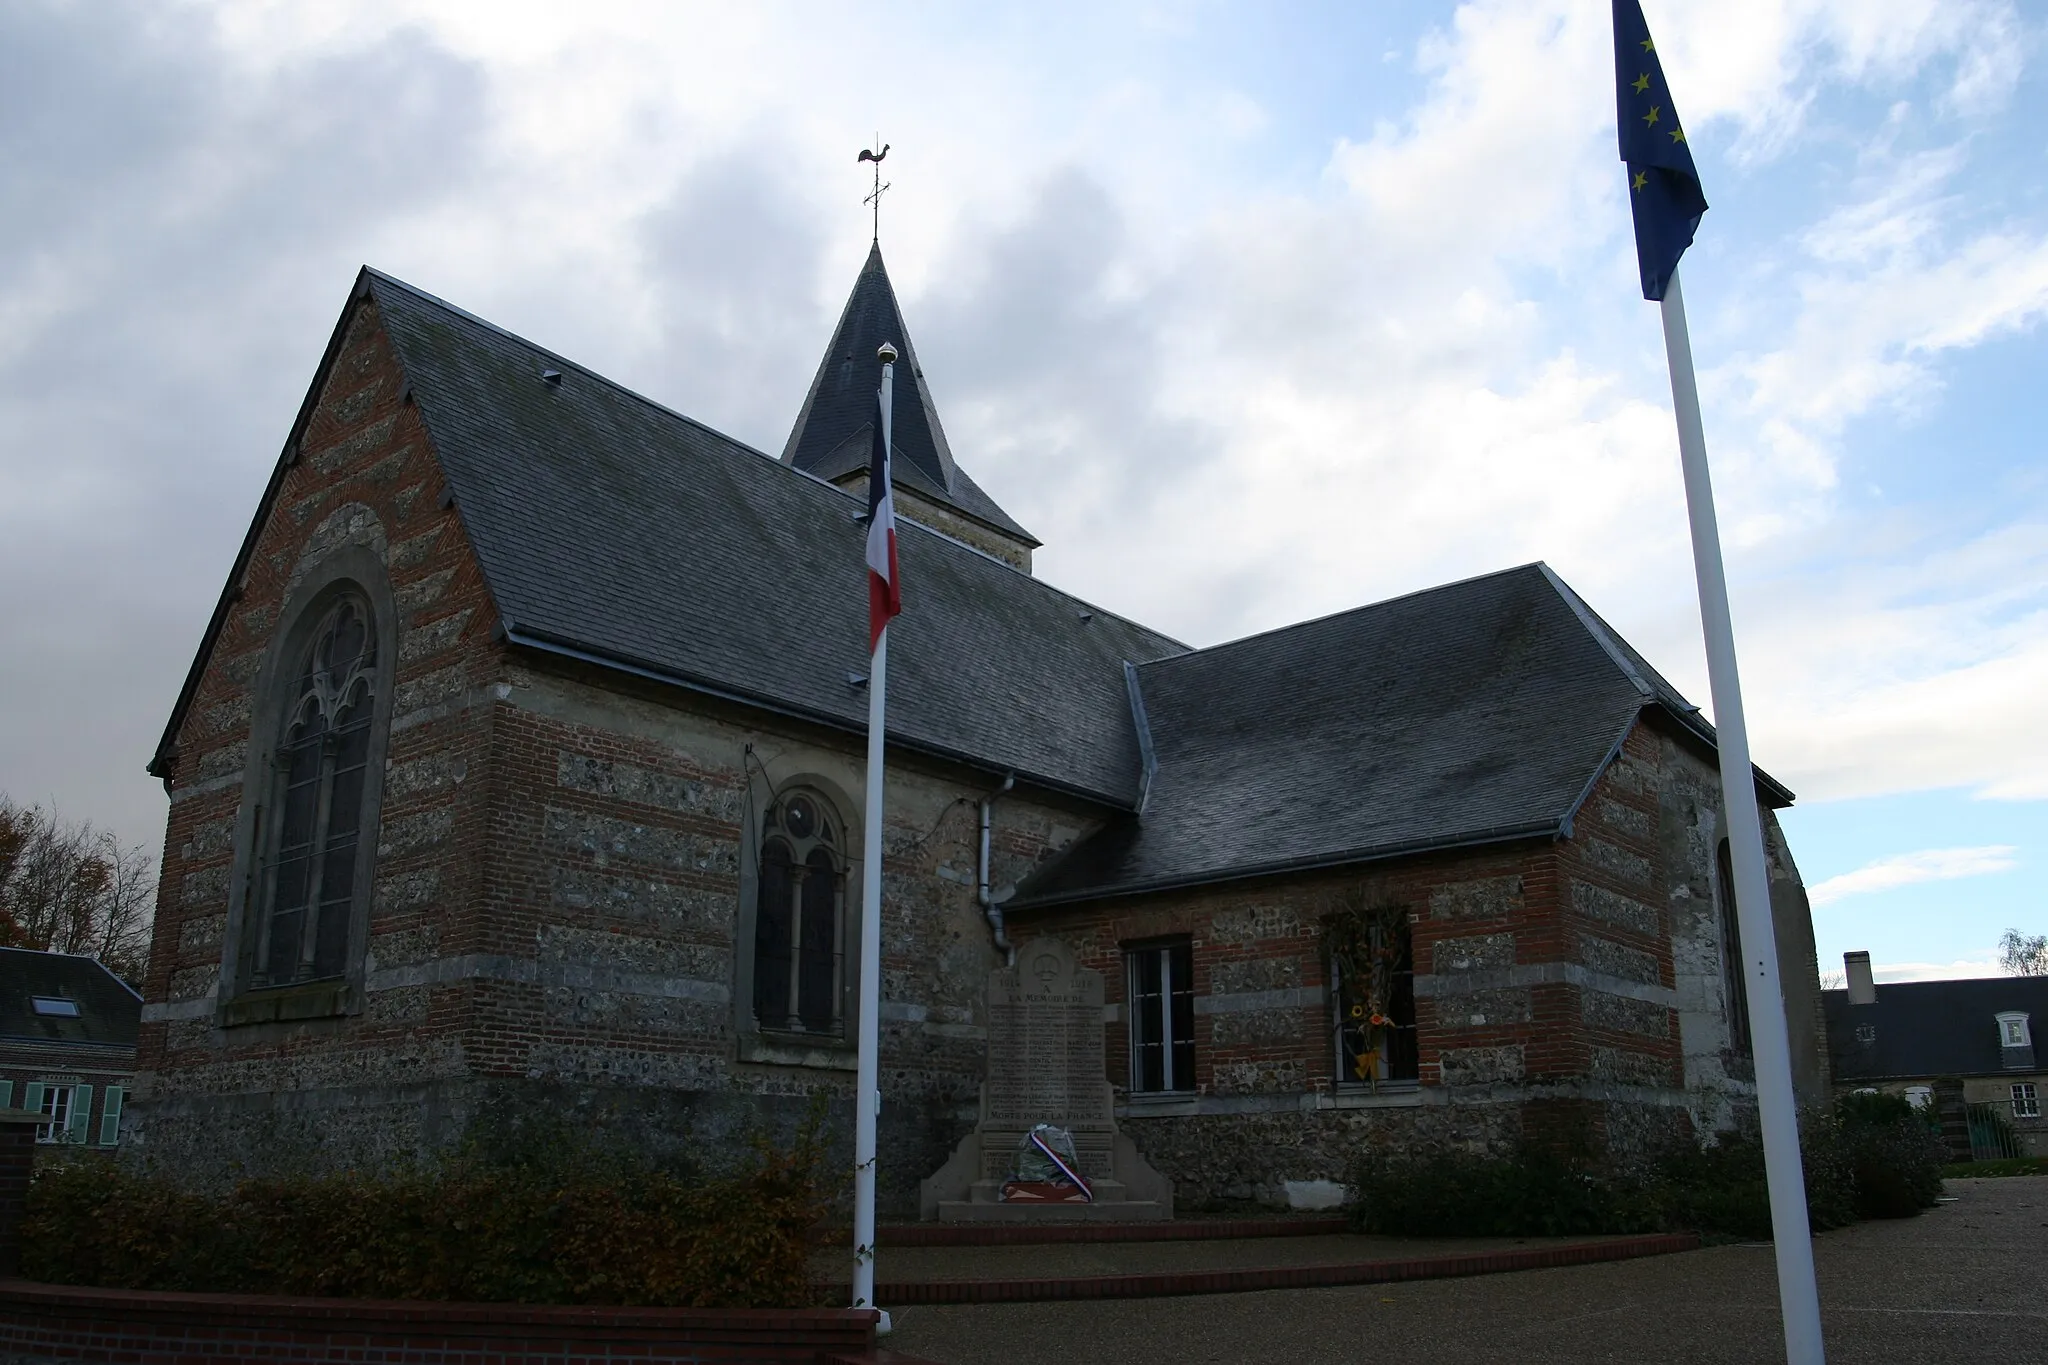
(521, 763)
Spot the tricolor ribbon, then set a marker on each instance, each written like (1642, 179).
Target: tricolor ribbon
(1069, 1172)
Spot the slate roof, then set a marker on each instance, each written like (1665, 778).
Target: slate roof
(835, 425)
(613, 529)
(109, 1013)
(1473, 713)
(1925, 1029)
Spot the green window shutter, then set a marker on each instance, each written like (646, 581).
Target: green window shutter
(110, 1118)
(79, 1129)
(32, 1097)
(6, 1094)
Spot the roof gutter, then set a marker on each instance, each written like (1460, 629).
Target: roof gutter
(1317, 862)
(547, 643)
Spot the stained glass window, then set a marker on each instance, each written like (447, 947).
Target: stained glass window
(800, 920)
(321, 771)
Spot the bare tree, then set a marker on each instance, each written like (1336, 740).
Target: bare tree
(70, 887)
(2023, 954)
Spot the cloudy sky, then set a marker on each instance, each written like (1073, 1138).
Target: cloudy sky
(1251, 312)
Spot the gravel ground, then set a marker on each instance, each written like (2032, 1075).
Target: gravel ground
(1966, 1281)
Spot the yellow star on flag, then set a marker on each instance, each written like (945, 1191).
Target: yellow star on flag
(1678, 134)
(1641, 181)
(1649, 46)
(1651, 117)
(1642, 83)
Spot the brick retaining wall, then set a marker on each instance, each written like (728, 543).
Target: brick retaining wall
(41, 1322)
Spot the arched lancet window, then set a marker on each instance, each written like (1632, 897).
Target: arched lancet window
(319, 771)
(1734, 980)
(800, 918)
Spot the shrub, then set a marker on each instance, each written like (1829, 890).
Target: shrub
(1868, 1157)
(1894, 1154)
(534, 1225)
(1534, 1193)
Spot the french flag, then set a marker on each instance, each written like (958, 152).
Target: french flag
(885, 585)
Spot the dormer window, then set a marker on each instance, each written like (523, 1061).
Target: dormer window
(2013, 1030)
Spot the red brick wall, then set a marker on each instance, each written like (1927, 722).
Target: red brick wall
(364, 474)
(1266, 935)
(61, 1321)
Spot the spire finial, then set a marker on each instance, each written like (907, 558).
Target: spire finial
(875, 199)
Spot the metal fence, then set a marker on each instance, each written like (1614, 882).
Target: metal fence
(1992, 1136)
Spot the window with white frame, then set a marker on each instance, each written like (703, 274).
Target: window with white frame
(2026, 1101)
(1160, 981)
(56, 1110)
(2013, 1030)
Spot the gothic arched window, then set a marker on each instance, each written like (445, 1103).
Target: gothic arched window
(1734, 979)
(319, 781)
(800, 918)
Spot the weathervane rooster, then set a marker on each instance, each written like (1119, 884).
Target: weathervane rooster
(875, 199)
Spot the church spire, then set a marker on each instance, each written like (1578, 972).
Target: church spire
(832, 431)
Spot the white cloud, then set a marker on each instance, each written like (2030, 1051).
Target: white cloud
(1962, 967)
(1226, 403)
(1906, 869)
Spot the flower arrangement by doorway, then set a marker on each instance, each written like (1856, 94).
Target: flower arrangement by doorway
(1367, 943)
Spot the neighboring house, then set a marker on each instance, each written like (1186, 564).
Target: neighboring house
(67, 1044)
(1966, 1046)
(521, 762)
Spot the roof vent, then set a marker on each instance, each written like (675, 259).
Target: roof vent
(553, 377)
(54, 1007)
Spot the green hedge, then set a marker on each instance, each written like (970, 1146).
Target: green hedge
(539, 1226)
(1871, 1156)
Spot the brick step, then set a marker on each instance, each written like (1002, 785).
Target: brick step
(1245, 1279)
(1028, 1234)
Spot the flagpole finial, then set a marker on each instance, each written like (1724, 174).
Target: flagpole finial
(886, 354)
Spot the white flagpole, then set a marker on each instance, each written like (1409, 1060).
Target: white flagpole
(1778, 1110)
(867, 1094)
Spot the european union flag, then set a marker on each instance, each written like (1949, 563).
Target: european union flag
(1663, 187)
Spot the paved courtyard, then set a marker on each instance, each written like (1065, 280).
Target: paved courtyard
(1967, 1281)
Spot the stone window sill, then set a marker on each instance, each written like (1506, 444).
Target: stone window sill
(283, 1004)
(1161, 1105)
(1390, 1095)
(797, 1049)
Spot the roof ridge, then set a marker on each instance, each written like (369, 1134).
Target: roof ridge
(1597, 628)
(668, 411)
(578, 366)
(110, 973)
(1271, 631)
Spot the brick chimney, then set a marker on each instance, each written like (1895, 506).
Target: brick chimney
(1862, 985)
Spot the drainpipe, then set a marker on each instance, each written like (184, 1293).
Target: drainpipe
(993, 911)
